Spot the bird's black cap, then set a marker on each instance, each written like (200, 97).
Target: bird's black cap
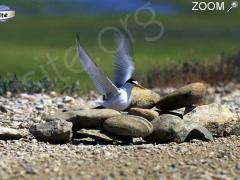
(132, 81)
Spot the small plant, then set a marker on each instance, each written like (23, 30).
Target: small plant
(15, 86)
(222, 71)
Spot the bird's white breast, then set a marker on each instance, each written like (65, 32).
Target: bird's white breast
(121, 100)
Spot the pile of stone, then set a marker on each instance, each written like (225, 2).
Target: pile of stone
(177, 117)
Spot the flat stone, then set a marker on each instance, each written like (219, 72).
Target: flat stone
(217, 118)
(171, 128)
(103, 136)
(56, 131)
(10, 133)
(128, 125)
(189, 95)
(143, 98)
(88, 119)
(148, 114)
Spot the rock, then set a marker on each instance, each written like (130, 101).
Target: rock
(103, 136)
(211, 113)
(143, 98)
(237, 165)
(39, 107)
(164, 128)
(24, 125)
(56, 131)
(9, 94)
(9, 133)
(88, 119)
(67, 99)
(128, 125)
(218, 119)
(3, 109)
(191, 131)
(60, 105)
(189, 95)
(148, 114)
(168, 128)
(53, 94)
(61, 115)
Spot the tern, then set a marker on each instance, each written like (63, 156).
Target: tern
(117, 93)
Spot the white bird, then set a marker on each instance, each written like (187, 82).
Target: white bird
(117, 94)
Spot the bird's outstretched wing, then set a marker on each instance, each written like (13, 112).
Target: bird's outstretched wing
(102, 83)
(123, 66)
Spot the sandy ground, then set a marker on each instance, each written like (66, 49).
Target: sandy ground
(29, 159)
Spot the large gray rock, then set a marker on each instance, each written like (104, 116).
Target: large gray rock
(143, 98)
(128, 125)
(103, 136)
(148, 114)
(88, 119)
(218, 119)
(189, 95)
(171, 128)
(56, 131)
(9, 133)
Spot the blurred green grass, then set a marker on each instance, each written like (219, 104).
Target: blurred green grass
(38, 46)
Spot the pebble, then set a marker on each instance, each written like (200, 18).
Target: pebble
(238, 166)
(67, 99)
(39, 107)
(3, 109)
(60, 105)
(53, 94)
(10, 133)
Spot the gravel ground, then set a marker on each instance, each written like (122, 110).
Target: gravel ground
(29, 159)
(36, 160)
